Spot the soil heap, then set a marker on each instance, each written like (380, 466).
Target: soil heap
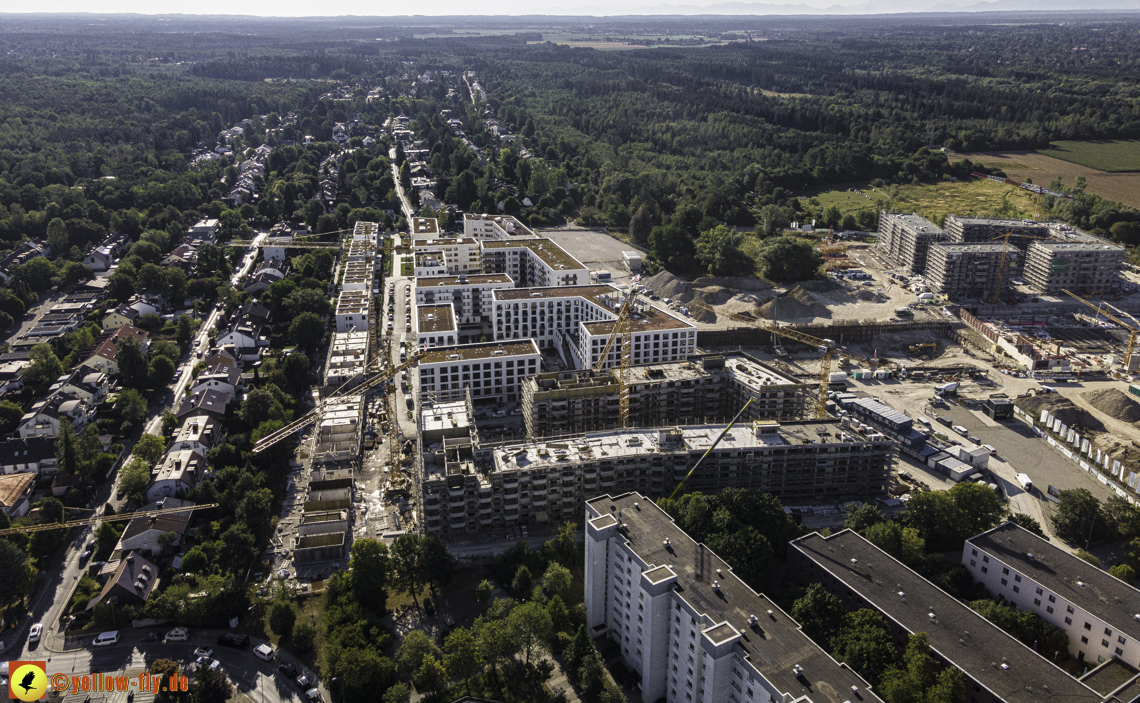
(1115, 404)
(1059, 406)
(796, 304)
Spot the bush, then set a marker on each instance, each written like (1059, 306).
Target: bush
(304, 637)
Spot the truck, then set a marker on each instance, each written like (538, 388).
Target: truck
(1025, 482)
(947, 388)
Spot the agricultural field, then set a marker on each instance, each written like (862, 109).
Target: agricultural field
(1112, 156)
(1121, 187)
(931, 200)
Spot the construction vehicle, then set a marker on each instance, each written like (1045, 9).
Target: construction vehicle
(310, 417)
(827, 347)
(63, 525)
(709, 450)
(1133, 328)
(927, 350)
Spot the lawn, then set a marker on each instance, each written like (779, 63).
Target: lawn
(1113, 156)
(973, 197)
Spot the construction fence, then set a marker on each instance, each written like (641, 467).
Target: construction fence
(840, 333)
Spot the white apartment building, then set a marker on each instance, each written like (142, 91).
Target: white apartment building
(461, 255)
(423, 227)
(357, 276)
(546, 314)
(1100, 613)
(657, 337)
(686, 624)
(435, 326)
(352, 310)
(348, 358)
(491, 370)
(429, 263)
(484, 227)
(471, 296)
(533, 263)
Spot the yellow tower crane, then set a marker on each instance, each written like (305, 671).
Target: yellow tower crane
(1001, 266)
(826, 346)
(98, 519)
(623, 327)
(1132, 328)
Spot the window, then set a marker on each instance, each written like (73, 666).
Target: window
(1068, 621)
(1005, 571)
(1088, 626)
(1119, 651)
(973, 562)
(1084, 640)
(1039, 591)
(984, 569)
(1107, 632)
(1052, 599)
(986, 559)
(1104, 643)
(1069, 610)
(1121, 639)
(1036, 601)
(1004, 582)
(974, 552)
(1017, 577)
(1017, 589)
(1049, 609)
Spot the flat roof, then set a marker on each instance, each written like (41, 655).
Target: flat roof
(1077, 246)
(976, 247)
(1085, 586)
(1009, 669)
(445, 242)
(424, 225)
(486, 350)
(772, 646)
(435, 318)
(988, 221)
(545, 249)
(593, 293)
(919, 223)
(479, 279)
(649, 320)
(444, 416)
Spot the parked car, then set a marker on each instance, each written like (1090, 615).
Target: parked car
(263, 651)
(35, 632)
(230, 639)
(204, 652)
(288, 669)
(304, 682)
(178, 634)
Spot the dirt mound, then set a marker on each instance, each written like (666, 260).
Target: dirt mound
(713, 295)
(1071, 415)
(1115, 404)
(734, 282)
(667, 285)
(865, 295)
(821, 285)
(794, 305)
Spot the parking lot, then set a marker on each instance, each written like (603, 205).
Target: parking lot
(597, 250)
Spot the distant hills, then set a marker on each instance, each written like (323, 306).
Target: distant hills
(870, 7)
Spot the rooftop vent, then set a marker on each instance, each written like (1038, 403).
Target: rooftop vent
(752, 620)
(854, 561)
(716, 586)
(1005, 666)
(797, 671)
(902, 594)
(771, 614)
(667, 543)
(930, 615)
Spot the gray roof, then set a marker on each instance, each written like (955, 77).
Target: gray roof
(773, 645)
(957, 634)
(1059, 572)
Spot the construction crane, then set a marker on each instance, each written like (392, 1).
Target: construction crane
(310, 417)
(623, 326)
(1132, 329)
(826, 346)
(709, 450)
(98, 519)
(1005, 250)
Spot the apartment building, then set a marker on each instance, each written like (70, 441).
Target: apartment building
(484, 227)
(1100, 613)
(358, 276)
(551, 315)
(656, 337)
(705, 388)
(906, 239)
(471, 297)
(688, 626)
(971, 270)
(997, 667)
(966, 230)
(435, 326)
(353, 309)
(423, 227)
(533, 263)
(347, 359)
(542, 481)
(338, 431)
(429, 263)
(492, 370)
(1081, 267)
(461, 255)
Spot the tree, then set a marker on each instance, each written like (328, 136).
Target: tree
(416, 648)
(431, 676)
(864, 643)
(134, 477)
(860, 517)
(483, 592)
(166, 668)
(57, 237)
(1124, 572)
(576, 651)
(771, 221)
(557, 580)
(640, 225)
(591, 676)
(150, 448)
(436, 562)
(980, 507)
(937, 519)
(1126, 233)
(133, 368)
(397, 693)
(1028, 522)
(131, 406)
(530, 627)
(213, 686)
(10, 414)
(559, 615)
(563, 547)
(819, 613)
(174, 282)
(718, 249)
(262, 404)
(307, 330)
(17, 572)
(1122, 517)
(65, 448)
(282, 617)
(1078, 517)
(237, 547)
(461, 656)
(370, 564)
(304, 637)
(522, 582)
(406, 566)
(902, 543)
(787, 259)
(44, 370)
(185, 329)
(908, 683)
(496, 641)
(305, 300)
(195, 561)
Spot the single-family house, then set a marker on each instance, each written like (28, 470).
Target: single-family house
(90, 386)
(105, 358)
(198, 433)
(219, 378)
(207, 402)
(46, 416)
(177, 474)
(142, 534)
(221, 356)
(62, 483)
(35, 455)
(122, 315)
(130, 583)
(16, 493)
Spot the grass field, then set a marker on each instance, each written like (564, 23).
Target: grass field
(1121, 187)
(931, 200)
(1109, 156)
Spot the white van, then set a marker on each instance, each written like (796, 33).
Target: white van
(263, 651)
(960, 430)
(105, 638)
(178, 634)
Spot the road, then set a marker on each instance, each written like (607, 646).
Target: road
(405, 204)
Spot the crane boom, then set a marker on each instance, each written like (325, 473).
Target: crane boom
(310, 417)
(96, 520)
(1004, 251)
(709, 450)
(1132, 330)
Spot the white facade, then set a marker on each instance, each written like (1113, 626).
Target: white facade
(483, 227)
(1100, 613)
(460, 254)
(490, 370)
(352, 311)
(546, 314)
(472, 297)
(657, 337)
(533, 263)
